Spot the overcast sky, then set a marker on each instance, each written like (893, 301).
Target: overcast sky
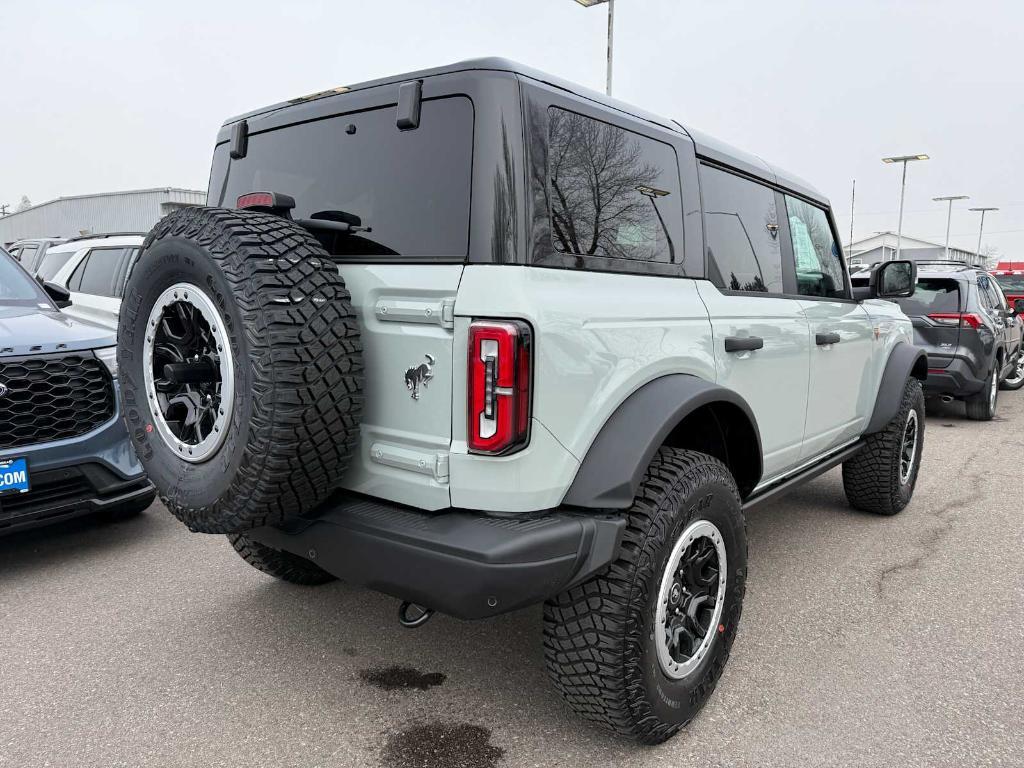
(101, 96)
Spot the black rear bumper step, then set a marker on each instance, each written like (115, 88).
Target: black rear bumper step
(465, 564)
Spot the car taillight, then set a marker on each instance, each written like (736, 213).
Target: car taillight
(954, 319)
(500, 362)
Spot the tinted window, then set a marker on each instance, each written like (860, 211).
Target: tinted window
(16, 287)
(932, 295)
(819, 264)
(411, 189)
(612, 193)
(99, 272)
(52, 263)
(741, 232)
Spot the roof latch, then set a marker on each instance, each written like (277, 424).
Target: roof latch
(410, 96)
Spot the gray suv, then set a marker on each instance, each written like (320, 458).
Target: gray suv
(64, 449)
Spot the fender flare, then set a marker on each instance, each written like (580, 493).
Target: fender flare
(624, 447)
(904, 361)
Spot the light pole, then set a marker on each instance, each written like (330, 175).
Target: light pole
(653, 194)
(981, 227)
(949, 214)
(611, 29)
(903, 188)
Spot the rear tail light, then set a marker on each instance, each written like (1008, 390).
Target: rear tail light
(500, 363)
(956, 319)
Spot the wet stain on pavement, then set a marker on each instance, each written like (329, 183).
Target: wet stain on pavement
(442, 745)
(398, 678)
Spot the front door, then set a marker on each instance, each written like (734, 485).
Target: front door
(839, 399)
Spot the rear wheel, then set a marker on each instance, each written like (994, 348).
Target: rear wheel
(280, 565)
(640, 648)
(1016, 378)
(240, 368)
(982, 406)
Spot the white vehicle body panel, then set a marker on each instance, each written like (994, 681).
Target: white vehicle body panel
(99, 310)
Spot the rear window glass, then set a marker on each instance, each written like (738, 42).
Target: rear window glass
(932, 295)
(410, 189)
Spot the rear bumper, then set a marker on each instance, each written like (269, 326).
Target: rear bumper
(461, 563)
(959, 379)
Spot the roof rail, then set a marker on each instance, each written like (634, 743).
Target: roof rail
(106, 234)
(948, 263)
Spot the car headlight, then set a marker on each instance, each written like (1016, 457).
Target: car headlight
(108, 356)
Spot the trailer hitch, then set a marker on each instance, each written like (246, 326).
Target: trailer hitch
(413, 616)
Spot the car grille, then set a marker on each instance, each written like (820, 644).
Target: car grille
(52, 397)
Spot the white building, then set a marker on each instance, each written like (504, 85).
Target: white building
(133, 211)
(882, 247)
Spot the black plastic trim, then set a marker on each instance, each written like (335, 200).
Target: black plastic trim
(898, 368)
(620, 454)
(789, 483)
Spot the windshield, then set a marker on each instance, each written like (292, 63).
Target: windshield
(16, 287)
(52, 262)
(1011, 283)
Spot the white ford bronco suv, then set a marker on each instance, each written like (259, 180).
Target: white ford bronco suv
(479, 338)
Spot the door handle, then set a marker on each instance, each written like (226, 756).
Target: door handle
(826, 338)
(743, 343)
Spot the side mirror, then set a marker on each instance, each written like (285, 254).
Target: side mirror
(894, 280)
(1018, 307)
(61, 296)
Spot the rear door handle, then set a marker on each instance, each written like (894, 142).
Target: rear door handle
(826, 338)
(743, 343)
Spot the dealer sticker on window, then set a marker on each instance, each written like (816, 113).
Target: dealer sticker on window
(13, 476)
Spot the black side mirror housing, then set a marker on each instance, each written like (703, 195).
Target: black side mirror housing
(893, 279)
(61, 296)
(1018, 307)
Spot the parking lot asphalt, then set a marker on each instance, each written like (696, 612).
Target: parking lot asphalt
(865, 641)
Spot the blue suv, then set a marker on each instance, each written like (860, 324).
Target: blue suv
(64, 449)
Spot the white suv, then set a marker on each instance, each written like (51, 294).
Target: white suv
(94, 269)
(479, 338)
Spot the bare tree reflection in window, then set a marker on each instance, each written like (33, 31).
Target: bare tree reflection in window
(603, 195)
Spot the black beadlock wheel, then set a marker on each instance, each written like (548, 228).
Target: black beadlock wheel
(280, 565)
(881, 477)
(639, 648)
(240, 368)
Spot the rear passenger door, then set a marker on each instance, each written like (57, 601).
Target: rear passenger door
(839, 397)
(761, 340)
(97, 284)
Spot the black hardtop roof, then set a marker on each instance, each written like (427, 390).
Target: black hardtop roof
(704, 145)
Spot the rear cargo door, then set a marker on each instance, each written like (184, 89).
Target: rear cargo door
(406, 193)
(934, 311)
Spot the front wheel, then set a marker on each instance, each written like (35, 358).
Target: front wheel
(880, 478)
(640, 648)
(1016, 378)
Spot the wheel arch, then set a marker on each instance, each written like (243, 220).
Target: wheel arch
(905, 361)
(678, 410)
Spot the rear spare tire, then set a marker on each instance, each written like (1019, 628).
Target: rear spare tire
(240, 368)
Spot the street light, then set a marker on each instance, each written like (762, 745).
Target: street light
(981, 227)
(903, 188)
(949, 214)
(611, 27)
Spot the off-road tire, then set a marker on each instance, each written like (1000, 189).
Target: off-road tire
(981, 406)
(872, 478)
(280, 565)
(297, 360)
(599, 636)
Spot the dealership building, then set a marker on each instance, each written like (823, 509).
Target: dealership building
(132, 211)
(882, 247)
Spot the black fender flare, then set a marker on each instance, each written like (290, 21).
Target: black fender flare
(904, 361)
(614, 465)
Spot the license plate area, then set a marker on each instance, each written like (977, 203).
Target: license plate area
(14, 476)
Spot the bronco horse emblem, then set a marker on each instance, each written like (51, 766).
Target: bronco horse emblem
(418, 376)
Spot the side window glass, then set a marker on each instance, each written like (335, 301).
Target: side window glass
(613, 196)
(984, 295)
(819, 263)
(99, 278)
(28, 257)
(131, 254)
(52, 262)
(75, 281)
(741, 232)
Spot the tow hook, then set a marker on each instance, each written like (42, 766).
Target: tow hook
(413, 616)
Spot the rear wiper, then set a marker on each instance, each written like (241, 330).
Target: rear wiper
(335, 221)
